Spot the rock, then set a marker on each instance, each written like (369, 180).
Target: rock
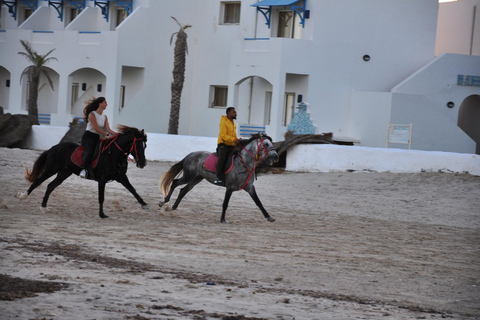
(14, 128)
(74, 134)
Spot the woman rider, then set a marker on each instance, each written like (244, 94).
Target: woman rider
(97, 125)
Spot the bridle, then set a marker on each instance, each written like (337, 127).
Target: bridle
(257, 157)
(132, 148)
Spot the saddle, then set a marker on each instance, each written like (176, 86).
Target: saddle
(210, 163)
(77, 156)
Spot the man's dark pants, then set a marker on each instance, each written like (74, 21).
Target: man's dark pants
(223, 151)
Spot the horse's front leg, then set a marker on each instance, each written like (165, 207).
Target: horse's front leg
(101, 197)
(123, 179)
(251, 191)
(228, 194)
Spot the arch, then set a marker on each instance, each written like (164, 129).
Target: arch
(47, 98)
(5, 80)
(469, 118)
(83, 84)
(251, 98)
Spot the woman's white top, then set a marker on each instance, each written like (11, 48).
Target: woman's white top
(100, 121)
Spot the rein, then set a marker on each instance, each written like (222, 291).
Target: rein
(133, 147)
(256, 158)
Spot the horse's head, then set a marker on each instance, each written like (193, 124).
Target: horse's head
(267, 151)
(136, 145)
(262, 148)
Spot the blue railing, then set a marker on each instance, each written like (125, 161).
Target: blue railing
(44, 118)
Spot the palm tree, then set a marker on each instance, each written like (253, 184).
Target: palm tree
(33, 72)
(180, 52)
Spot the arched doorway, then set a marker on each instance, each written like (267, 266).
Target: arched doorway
(252, 98)
(84, 83)
(4, 87)
(469, 118)
(47, 100)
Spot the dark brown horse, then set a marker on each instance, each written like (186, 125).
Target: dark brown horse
(111, 165)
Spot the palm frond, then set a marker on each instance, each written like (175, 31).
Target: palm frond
(171, 38)
(50, 82)
(27, 71)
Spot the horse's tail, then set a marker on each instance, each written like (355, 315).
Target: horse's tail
(38, 167)
(168, 177)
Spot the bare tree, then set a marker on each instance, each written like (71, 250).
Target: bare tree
(180, 51)
(34, 72)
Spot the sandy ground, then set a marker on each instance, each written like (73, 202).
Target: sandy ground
(344, 246)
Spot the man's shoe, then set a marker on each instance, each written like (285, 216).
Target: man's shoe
(83, 174)
(219, 182)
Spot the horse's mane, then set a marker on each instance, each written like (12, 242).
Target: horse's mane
(253, 136)
(126, 130)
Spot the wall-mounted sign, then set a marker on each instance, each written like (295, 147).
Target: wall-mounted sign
(399, 133)
(463, 80)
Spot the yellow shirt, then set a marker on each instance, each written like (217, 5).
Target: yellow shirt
(228, 132)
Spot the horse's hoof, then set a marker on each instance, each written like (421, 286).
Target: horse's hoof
(161, 203)
(224, 221)
(145, 207)
(270, 219)
(103, 216)
(44, 209)
(21, 195)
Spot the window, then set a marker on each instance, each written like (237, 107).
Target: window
(268, 108)
(218, 96)
(288, 108)
(121, 15)
(285, 19)
(73, 14)
(230, 13)
(289, 25)
(75, 88)
(122, 98)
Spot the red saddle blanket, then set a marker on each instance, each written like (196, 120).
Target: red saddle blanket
(77, 157)
(210, 164)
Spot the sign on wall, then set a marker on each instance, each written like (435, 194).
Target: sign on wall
(399, 133)
(463, 80)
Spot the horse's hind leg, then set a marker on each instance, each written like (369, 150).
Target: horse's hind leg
(61, 176)
(175, 183)
(185, 189)
(23, 195)
(228, 194)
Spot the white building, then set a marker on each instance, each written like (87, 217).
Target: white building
(359, 64)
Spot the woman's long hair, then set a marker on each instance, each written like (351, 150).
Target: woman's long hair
(92, 105)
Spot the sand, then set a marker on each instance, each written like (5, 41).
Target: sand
(344, 246)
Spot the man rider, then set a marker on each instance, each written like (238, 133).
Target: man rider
(227, 138)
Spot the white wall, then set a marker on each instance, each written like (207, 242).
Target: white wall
(335, 158)
(300, 158)
(458, 30)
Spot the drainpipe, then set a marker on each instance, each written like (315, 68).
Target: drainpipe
(251, 99)
(473, 29)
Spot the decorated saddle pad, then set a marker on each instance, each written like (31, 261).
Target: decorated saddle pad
(210, 164)
(77, 157)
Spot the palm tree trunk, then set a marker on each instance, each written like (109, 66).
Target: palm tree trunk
(33, 95)
(178, 79)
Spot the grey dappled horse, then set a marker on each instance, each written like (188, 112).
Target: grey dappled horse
(257, 149)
